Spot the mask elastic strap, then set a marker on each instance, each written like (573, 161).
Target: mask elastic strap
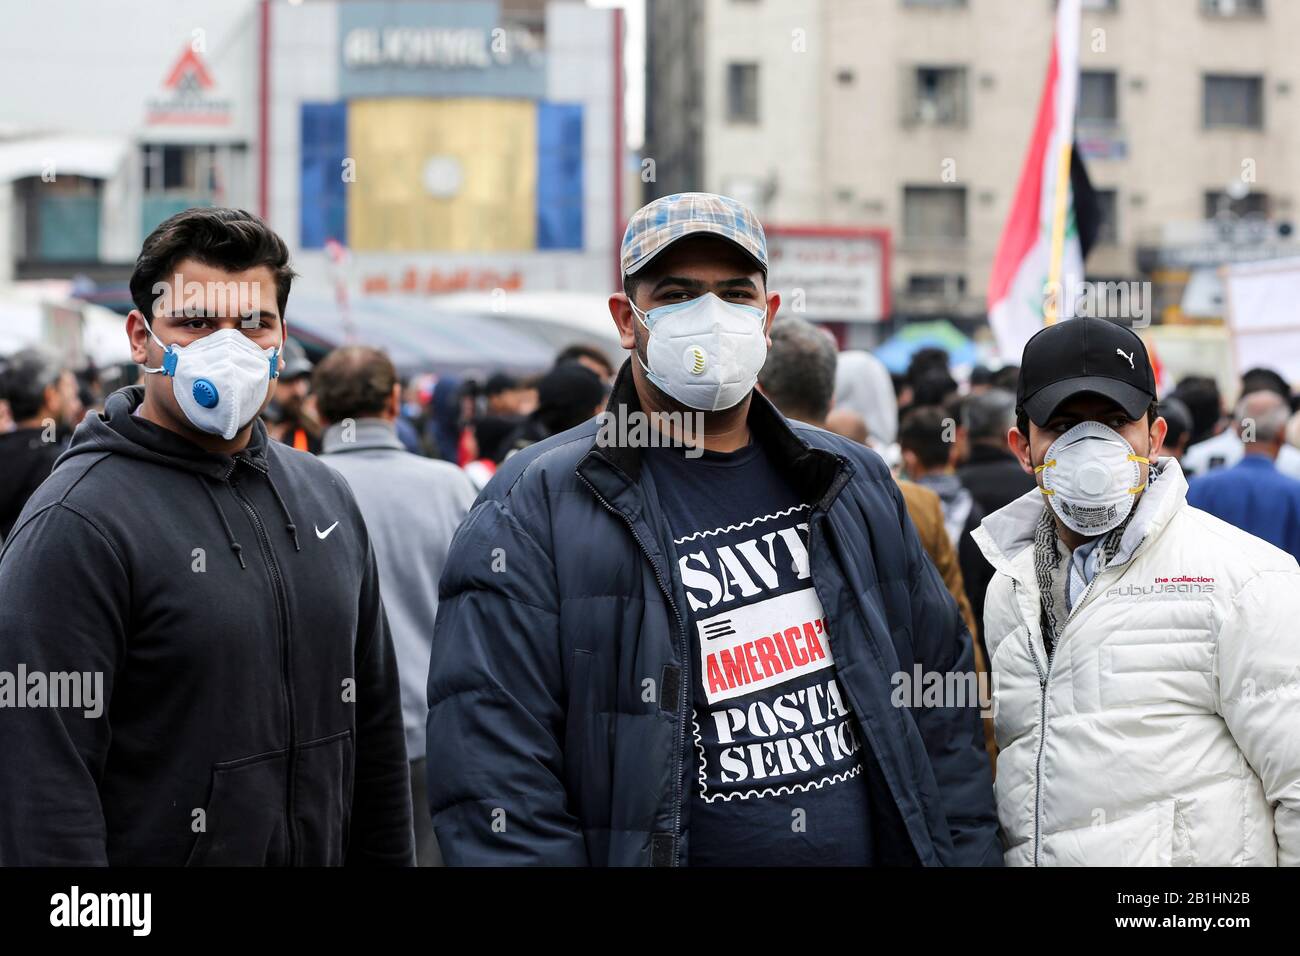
(1046, 464)
(1140, 488)
(168, 366)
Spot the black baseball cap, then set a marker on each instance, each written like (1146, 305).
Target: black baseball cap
(1084, 355)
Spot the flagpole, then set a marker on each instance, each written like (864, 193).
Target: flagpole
(1068, 16)
(1059, 212)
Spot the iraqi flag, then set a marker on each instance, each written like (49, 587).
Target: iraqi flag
(1020, 286)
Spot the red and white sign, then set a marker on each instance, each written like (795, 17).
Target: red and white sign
(189, 100)
(829, 274)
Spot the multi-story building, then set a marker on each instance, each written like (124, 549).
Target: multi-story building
(433, 147)
(914, 116)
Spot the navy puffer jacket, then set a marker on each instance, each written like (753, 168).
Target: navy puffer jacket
(558, 683)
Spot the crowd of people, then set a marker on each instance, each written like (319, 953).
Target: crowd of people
(499, 636)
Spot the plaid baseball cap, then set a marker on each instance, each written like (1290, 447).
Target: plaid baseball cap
(657, 225)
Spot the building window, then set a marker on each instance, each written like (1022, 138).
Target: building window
(934, 214)
(1234, 101)
(60, 218)
(947, 285)
(1233, 8)
(1219, 204)
(938, 97)
(742, 92)
(1098, 98)
(177, 177)
(1107, 217)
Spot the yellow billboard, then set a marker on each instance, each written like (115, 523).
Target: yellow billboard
(450, 175)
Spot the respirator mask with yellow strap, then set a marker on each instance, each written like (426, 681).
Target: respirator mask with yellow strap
(1091, 477)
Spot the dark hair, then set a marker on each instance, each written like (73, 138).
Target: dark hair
(989, 415)
(799, 374)
(930, 360)
(229, 239)
(499, 382)
(1179, 419)
(1200, 394)
(1265, 380)
(1007, 377)
(355, 381)
(1022, 419)
(26, 376)
(580, 350)
(921, 431)
(934, 387)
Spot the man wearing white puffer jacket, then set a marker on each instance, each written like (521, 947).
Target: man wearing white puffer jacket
(1146, 655)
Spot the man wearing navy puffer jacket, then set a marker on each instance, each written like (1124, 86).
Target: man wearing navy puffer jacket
(677, 634)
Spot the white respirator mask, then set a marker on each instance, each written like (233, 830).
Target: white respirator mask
(704, 353)
(220, 381)
(1091, 477)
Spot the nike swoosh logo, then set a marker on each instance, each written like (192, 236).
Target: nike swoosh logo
(327, 532)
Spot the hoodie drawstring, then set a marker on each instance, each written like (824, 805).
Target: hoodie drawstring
(235, 546)
(284, 509)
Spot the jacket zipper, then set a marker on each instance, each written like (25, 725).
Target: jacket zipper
(286, 685)
(1043, 678)
(683, 684)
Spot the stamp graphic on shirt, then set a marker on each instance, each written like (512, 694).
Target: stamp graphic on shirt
(758, 646)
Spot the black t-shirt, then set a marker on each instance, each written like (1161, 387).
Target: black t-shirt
(774, 768)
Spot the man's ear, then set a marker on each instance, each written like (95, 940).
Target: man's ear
(625, 319)
(138, 335)
(773, 305)
(1020, 447)
(395, 402)
(1159, 429)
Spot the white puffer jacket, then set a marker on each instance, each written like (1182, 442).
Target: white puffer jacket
(1165, 729)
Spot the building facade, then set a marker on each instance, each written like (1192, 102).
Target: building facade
(407, 146)
(914, 116)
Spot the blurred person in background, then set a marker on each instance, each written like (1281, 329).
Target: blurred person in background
(412, 507)
(927, 440)
(981, 380)
(1200, 393)
(1225, 448)
(291, 417)
(864, 386)
(490, 435)
(1252, 494)
(1006, 378)
(798, 376)
(799, 379)
(41, 393)
(568, 395)
(503, 395)
(994, 478)
(592, 357)
(1179, 419)
(991, 472)
(849, 424)
(246, 668)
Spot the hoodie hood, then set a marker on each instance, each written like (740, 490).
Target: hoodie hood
(119, 430)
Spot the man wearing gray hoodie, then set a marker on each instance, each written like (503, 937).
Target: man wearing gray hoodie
(412, 507)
